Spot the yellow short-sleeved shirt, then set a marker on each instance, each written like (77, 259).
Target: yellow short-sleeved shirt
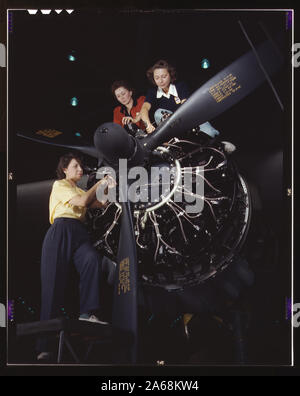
(62, 192)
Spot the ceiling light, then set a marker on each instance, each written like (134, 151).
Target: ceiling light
(205, 64)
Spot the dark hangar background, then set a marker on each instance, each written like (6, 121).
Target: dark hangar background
(109, 45)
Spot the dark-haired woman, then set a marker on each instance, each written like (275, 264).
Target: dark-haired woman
(130, 108)
(166, 97)
(67, 243)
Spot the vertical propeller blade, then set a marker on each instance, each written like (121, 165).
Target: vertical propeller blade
(124, 318)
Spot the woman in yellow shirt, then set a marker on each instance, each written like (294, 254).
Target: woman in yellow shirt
(67, 242)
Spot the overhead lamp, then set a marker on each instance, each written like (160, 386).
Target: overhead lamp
(32, 12)
(205, 64)
(69, 11)
(72, 56)
(74, 101)
(46, 12)
(58, 11)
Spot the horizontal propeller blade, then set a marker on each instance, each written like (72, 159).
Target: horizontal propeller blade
(218, 94)
(89, 150)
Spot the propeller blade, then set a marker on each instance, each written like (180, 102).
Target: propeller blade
(89, 150)
(124, 317)
(218, 94)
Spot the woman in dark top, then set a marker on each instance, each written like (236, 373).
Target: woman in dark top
(166, 97)
(167, 94)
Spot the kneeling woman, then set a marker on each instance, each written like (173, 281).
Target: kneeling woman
(67, 242)
(166, 97)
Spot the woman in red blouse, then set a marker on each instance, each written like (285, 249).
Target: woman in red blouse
(130, 108)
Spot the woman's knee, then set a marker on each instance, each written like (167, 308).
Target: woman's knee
(92, 257)
(90, 263)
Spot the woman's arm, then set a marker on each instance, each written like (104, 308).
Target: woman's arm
(144, 113)
(111, 183)
(88, 197)
(140, 102)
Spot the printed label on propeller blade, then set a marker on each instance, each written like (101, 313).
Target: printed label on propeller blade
(124, 276)
(224, 88)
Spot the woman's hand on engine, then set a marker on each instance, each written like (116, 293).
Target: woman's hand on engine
(150, 128)
(127, 120)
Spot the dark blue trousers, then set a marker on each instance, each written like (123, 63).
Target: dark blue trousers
(67, 243)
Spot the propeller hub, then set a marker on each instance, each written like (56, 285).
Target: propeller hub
(113, 142)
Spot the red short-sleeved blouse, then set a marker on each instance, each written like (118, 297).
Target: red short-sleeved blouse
(120, 112)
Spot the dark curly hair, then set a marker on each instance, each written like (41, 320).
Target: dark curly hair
(63, 163)
(161, 64)
(119, 84)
